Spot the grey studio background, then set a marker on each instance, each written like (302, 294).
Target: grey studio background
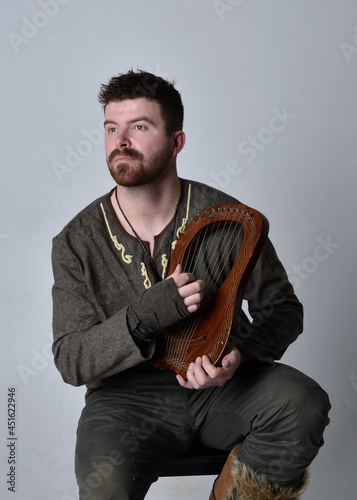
(269, 88)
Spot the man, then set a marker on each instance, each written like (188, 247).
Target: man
(112, 294)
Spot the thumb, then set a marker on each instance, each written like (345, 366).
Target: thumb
(226, 362)
(234, 358)
(177, 271)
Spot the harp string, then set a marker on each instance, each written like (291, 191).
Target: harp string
(216, 271)
(178, 347)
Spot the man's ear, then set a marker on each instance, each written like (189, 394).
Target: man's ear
(179, 138)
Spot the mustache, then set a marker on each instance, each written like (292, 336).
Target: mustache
(129, 152)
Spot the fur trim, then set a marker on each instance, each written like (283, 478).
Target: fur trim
(250, 485)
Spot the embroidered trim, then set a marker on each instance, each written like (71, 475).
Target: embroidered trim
(164, 262)
(185, 219)
(144, 272)
(126, 258)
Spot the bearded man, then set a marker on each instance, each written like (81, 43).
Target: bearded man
(112, 295)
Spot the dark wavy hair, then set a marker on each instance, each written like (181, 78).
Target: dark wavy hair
(134, 84)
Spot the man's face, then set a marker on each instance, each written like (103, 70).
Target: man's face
(137, 147)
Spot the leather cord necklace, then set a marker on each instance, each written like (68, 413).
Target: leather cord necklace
(141, 241)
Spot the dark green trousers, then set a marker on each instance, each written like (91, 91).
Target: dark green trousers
(127, 434)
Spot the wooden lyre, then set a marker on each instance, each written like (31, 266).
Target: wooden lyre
(212, 329)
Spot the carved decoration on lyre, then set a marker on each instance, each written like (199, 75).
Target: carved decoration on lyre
(211, 238)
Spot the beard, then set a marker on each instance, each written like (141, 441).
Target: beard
(140, 173)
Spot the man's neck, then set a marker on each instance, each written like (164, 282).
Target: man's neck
(149, 208)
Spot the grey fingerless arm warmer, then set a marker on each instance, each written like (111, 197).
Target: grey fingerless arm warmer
(159, 307)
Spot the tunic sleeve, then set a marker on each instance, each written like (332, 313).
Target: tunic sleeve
(277, 314)
(88, 346)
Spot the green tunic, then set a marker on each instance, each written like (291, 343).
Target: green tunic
(108, 300)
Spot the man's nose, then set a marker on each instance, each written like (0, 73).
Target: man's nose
(122, 140)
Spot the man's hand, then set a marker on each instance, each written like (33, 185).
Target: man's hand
(203, 374)
(189, 289)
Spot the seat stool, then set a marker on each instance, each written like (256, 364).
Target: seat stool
(199, 461)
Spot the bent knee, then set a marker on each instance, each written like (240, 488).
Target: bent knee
(300, 401)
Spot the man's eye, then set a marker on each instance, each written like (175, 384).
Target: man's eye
(140, 127)
(111, 130)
